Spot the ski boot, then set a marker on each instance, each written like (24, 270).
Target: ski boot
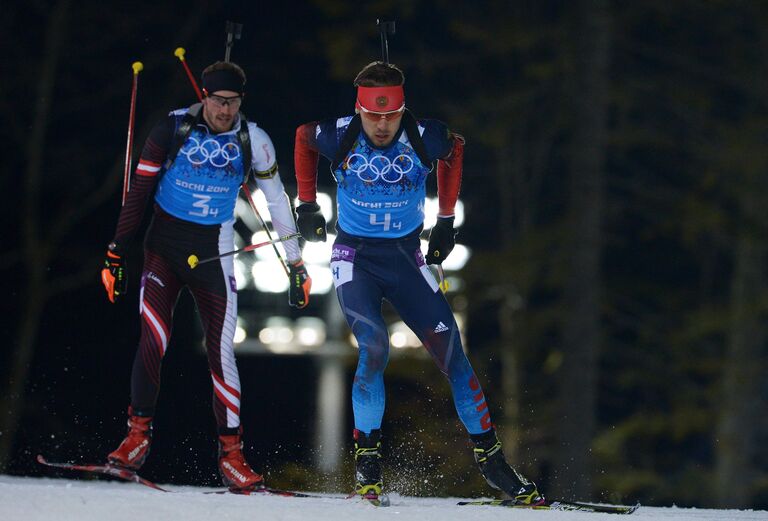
(134, 449)
(234, 470)
(498, 473)
(368, 482)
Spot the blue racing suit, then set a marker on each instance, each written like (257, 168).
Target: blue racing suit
(377, 256)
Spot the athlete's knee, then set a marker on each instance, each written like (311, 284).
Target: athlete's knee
(373, 355)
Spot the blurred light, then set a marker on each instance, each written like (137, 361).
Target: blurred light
(401, 336)
(398, 339)
(322, 279)
(455, 284)
(310, 331)
(277, 330)
(269, 277)
(308, 337)
(266, 252)
(260, 201)
(456, 260)
(267, 335)
(326, 205)
(240, 335)
(241, 274)
(318, 252)
(277, 335)
(284, 335)
(431, 207)
(460, 320)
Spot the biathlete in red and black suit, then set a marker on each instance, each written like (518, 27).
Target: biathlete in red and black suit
(194, 201)
(380, 160)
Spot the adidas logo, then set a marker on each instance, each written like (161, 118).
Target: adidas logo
(441, 327)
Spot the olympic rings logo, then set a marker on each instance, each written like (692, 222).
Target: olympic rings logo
(211, 150)
(378, 166)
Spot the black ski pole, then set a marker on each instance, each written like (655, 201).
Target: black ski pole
(234, 31)
(385, 28)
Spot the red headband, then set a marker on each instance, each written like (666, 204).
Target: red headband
(380, 99)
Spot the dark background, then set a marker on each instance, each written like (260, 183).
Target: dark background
(668, 137)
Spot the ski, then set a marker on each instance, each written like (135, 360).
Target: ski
(130, 475)
(105, 469)
(271, 491)
(556, 504)
(382, 501)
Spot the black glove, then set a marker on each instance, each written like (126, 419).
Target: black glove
(299, 284)
(114, 274)
(311, 222)
(441, 240)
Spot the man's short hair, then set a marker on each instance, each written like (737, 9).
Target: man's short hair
(225, 66)
(379, 74)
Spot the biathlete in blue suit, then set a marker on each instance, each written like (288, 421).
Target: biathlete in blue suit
(195, 190)
(380, 159)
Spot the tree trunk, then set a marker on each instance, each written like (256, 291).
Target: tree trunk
(743, 372)
(508, 168)
(578, 376)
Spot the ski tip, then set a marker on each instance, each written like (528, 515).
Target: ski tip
(40, 459)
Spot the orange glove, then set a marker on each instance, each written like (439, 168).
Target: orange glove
(114, 274)
(299, 285)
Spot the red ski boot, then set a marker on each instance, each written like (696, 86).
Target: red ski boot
(134, 449)
(235, 471)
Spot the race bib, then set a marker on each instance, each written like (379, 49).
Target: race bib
(342, 264)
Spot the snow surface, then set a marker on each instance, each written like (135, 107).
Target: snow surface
(45, 499)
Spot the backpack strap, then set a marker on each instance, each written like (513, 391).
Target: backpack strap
(244, 136)
(190, 120)
(347, 142)
(353, 129)
(414, 136)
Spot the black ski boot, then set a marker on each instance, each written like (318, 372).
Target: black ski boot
(368, 482)
(499, 474)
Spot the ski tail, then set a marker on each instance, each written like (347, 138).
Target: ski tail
(556, 504)
(105, 469)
